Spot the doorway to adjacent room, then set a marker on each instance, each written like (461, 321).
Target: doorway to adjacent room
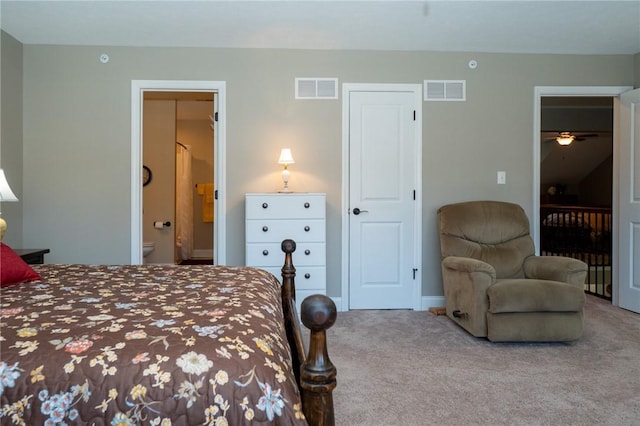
(622, 254)
(576, 184)
(178, 145)
(217, 93)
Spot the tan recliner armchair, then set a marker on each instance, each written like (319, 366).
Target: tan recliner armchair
(495, 286)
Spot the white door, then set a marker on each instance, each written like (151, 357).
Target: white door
(629, 202)
(384, 153)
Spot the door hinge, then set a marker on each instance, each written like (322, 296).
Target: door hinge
(215, 194)
(215, 117)
(414, 272)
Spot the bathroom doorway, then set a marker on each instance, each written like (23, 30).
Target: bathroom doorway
(178, 186)
(138, 89)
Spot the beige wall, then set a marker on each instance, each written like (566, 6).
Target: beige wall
(77, 133)
(637, 69)
(11, 134)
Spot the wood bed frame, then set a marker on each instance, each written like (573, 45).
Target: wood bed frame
(315, 374)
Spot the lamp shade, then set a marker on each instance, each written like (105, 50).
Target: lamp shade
(286, 157)
(5, 191)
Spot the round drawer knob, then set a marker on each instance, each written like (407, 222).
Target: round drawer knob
(307, 252)
(265, 228)
(265, 252)
(307, 275)
(307, 205)
(265, 205)
(307, 228)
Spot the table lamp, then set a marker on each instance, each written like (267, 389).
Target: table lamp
(285, 158)
(5, 195)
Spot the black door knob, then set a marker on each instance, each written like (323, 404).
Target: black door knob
(357, 211)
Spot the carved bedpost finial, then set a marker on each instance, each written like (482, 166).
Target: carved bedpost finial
(288, 270)
(288, 246)
(318, 374)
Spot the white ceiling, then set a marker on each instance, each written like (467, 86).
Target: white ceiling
(564, 27)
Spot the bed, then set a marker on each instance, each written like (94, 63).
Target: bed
(161, 345)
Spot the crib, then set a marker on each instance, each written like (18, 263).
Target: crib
(583, 233)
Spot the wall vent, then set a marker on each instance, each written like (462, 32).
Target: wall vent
(316, 88)
(445, 90)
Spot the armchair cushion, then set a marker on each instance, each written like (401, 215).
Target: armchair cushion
(531, 295)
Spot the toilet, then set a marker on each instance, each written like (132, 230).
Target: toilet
(147, 248)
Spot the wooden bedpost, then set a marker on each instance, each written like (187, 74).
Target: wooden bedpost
(294, 334)
(318, 374)
(315, 374)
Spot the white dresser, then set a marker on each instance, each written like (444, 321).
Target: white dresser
(273, 217)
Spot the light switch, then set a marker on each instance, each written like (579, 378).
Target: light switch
(502, 177)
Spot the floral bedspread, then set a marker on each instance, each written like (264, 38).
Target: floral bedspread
(152, 344)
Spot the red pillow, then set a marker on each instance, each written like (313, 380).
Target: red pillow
(14, 270)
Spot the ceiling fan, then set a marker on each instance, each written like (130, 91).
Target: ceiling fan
(567, 138)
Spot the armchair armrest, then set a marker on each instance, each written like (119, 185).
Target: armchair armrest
(556, 268)
(467, 264)
(465, 282)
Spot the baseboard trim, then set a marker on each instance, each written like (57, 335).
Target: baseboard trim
(202, 254)
(431, 302)
(426, 302)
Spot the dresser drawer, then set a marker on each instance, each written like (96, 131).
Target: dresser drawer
(307, 277)
(290, 206)
(266, 230)
(270, 254)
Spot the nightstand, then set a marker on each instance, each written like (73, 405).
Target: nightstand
(32, 256)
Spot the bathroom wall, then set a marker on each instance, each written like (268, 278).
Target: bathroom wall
(159, 130)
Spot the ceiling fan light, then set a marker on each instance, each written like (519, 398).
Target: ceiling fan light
(565, 139)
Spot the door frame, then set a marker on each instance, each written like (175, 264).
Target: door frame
(347, 88)
(138, 87)
(572, 91)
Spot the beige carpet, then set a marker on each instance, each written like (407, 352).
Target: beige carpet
(414, 368)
